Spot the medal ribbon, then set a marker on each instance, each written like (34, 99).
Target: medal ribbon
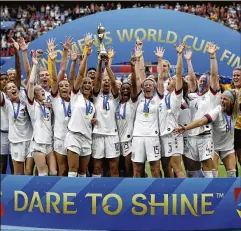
(123, 116)
(66, 111)
(228, 122)
(16, 113)
(168, 101)
(87, 107)
(146, 105)
(105, 101)
(43, 109)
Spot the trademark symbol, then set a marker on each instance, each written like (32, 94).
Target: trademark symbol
(220, 195)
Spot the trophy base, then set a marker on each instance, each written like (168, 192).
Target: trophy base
(102, 54)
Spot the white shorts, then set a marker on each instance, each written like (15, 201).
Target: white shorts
(223, 154)
(59, 146)
(200, 147)
(20, 151)
(43, 148)
(145, 148)
(105, 146)
(5, 144)
(77, 143)
(171, 145)
(125, 148)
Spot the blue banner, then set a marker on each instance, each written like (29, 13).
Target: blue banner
(121, 203)
(7, 25)
(163, 28)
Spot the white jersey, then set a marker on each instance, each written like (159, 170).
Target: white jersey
(41, 117)
(105, 106)
(48, 97)
(200, 105)
(169, 110)
(23, 94)
(4, 117)
(184, 117)
(146, 124)
(82, 112)
(20, 127)
(125, 116)
(62, 113)
(223, 129)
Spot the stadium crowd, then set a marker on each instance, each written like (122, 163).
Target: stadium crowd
(31, 21)
(89, 124)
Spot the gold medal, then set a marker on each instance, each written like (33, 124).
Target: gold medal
(14, 120)
(146, 114)
(86, 116)
(66, 118)
(46, 118)
(169, 111)
(124, 121)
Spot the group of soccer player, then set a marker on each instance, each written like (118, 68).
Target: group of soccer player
(89, 124)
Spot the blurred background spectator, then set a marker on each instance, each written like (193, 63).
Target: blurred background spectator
(31, 21)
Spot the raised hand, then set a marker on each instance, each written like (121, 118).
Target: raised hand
(90, 50)
(68, 43)
(211, 48)
(138, 53)
(34, 57)
(50, 44)
(88, 39)
(159, 52)
(15, 45)
(23, 45)
(180, 47)
(111, 52)
(52, 54)
(188, 54)
(74, 54)
(133, 61)
(139, 44)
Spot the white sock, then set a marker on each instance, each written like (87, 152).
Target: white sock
(215, 173)
(53, 173)
(42, 174)
(96, 176)
(231, 173)
(81, 175)
(208, 174)
(72, 174)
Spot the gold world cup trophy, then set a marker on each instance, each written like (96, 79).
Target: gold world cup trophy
(101, 35)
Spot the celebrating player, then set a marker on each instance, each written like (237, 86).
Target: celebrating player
(41, 117)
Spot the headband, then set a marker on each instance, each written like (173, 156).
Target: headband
(125, 83)
(149, 79)
(229, 94)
